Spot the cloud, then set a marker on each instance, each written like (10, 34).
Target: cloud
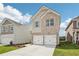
(63, 26)
(1, 7)
(14, 14)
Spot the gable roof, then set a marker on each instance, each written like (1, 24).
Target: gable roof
(12, 21)
(69, 25)
(74, 19)
(44, 7)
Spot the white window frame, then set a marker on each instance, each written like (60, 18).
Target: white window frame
(48, 22)
(36, 24)
(78, 24)
(51, 23)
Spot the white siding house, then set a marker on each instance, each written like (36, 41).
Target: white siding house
(15, 32)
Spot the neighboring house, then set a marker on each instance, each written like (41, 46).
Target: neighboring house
(45, 27)
(15, 32)
(72, 30)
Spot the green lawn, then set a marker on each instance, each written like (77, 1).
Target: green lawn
(66, 49)
(4, 49)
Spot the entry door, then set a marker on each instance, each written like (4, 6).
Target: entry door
(38, 39)
(50, 39)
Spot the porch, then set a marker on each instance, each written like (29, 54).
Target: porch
(76, 37)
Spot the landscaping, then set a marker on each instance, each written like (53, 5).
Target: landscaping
(4, 49)
(66, 49)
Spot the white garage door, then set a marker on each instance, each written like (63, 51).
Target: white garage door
(6, 39)
(38, 39)
(50, 39)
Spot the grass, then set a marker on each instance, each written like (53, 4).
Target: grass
(4, 49)
(67, 49)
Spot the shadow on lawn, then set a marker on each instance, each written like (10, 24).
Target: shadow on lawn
(67, 45)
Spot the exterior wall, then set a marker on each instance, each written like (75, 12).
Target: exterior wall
(77, 21)
(42, 26)
(7, 24)
(37, 17)
(22, 34)
(7, 29)
(70, 32)
(40, 13)
(74, 24)
(34, 29)
(51, 29)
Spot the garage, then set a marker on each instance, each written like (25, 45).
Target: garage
(6, 39)
(44, 39)
(38, 39)
(50, 40)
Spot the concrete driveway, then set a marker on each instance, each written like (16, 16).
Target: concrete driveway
(31, 50)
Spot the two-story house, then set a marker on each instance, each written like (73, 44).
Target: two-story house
(72, 30)
(15, 32)
(45, 27)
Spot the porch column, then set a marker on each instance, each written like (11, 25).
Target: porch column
(75, 37)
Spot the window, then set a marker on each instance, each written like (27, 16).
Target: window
(3, 29)
(47, 22)
(78, 24)
(50, 22)
(11, 29)
(36, 24)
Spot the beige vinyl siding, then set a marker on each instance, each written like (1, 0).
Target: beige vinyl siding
(22, 34)
(36, 29)
(70, 30)
(40, 12)
(51, 29)
(42, 26)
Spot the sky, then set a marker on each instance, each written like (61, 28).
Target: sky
(22, 12)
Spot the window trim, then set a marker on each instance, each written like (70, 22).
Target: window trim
(49, 23)
(37, 24)
(77, 24)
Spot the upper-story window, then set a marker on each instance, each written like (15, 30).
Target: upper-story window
(36, 24)
(7, 29)
(11, 28)
(50, 22)
(78, 24)
(3, 29)
(47, 23)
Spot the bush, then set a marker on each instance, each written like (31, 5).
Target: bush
(67, 45)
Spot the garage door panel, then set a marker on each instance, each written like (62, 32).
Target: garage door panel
(50, 40)
(44, 39)
(37, 39)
